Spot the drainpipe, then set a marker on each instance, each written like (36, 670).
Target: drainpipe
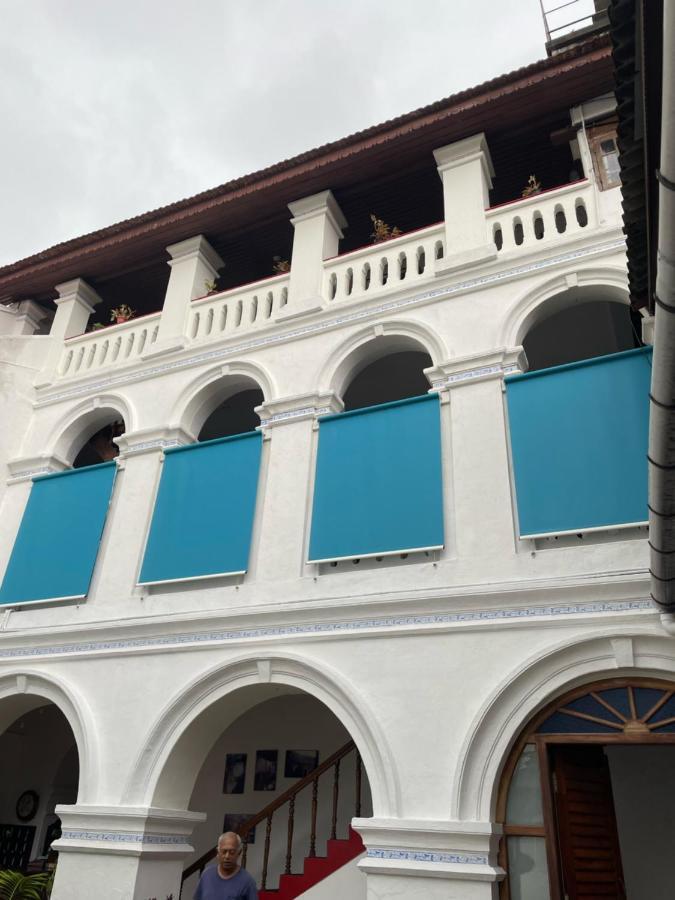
(662, 399)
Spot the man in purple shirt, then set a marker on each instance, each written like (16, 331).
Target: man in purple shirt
(227, 880)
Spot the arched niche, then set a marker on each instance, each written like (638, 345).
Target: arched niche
(222, 405)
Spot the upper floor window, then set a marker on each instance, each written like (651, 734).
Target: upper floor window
(605, 153)
(101, 446)
(236, 415)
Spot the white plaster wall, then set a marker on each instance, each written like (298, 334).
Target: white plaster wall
(643, 785)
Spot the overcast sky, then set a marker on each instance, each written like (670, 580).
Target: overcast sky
(109, 109)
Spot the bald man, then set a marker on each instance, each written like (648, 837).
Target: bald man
(227, 880)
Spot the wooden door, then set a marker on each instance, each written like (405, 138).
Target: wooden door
(590, 857)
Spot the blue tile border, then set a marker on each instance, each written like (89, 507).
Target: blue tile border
(123, 837)
(322, 628)
(471, 859)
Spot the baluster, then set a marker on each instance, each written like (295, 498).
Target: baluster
(312, 836)
(289, 847)
(266, 856)
(336, 791)
(358, 784)
(244, 851)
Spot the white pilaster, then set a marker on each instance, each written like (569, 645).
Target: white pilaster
(139, 469)
(289, 423)
(318, 222)
(113, 852)
(466, 171)
(480, 494)
(194, 263)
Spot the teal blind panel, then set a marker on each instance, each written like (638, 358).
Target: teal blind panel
(56, 547)
(579, 443)
(204, 512)
(378, 481)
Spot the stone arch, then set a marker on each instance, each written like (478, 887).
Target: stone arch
(191, 722)
(199, 399)
(71, 433)
(23, 690)
(372, 343)
(554, 295)
(537, 682)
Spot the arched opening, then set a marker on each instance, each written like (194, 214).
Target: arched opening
(580, 323)
(100, 447)
(39, 758)
(284, 773)
(225, 407)
(586, 795)
(387, 372)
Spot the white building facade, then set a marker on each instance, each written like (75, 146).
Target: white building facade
(442, 635)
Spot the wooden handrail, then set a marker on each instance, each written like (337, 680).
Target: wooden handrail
(271, 808)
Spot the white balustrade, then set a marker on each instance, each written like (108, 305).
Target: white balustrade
(105, 347)
(384, 267)
(542, 219)
(240, 309)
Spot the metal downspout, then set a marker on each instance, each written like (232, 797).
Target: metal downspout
(662, 398)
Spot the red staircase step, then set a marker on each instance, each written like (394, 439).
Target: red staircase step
(338, 854)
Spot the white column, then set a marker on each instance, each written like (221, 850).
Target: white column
(466, 171)
(74, 305)
(318, 224)
(194, 263)
(289, 426)
(110, 852)
(480, 508)
(430, 860)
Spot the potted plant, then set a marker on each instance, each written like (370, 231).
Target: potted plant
(211, 287)
(280, 266)
(381, 231)
(532, 187)
(122, 313)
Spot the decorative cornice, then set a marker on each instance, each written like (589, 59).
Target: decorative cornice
(477, 367)
(321, 629)
(147, 440)
(126, 837)
(301, 406)
(28, 467)
(318, 326)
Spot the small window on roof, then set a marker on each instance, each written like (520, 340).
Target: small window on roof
(605, 153)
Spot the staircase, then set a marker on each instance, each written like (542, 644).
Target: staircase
(315, 868)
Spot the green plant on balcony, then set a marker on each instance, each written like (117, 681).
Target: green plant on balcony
(381, 231)
(532, 187)
(280, 266)
(211, 287)
(16, 886)
(121, 313)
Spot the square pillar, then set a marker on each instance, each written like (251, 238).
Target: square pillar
(22, 318)
(466, 171)
(193, 263)
(74, 305)
(318, 222)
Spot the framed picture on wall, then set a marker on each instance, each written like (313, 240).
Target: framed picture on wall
(300, 763)
(235, 773)
(265, 770)
(234, 821)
